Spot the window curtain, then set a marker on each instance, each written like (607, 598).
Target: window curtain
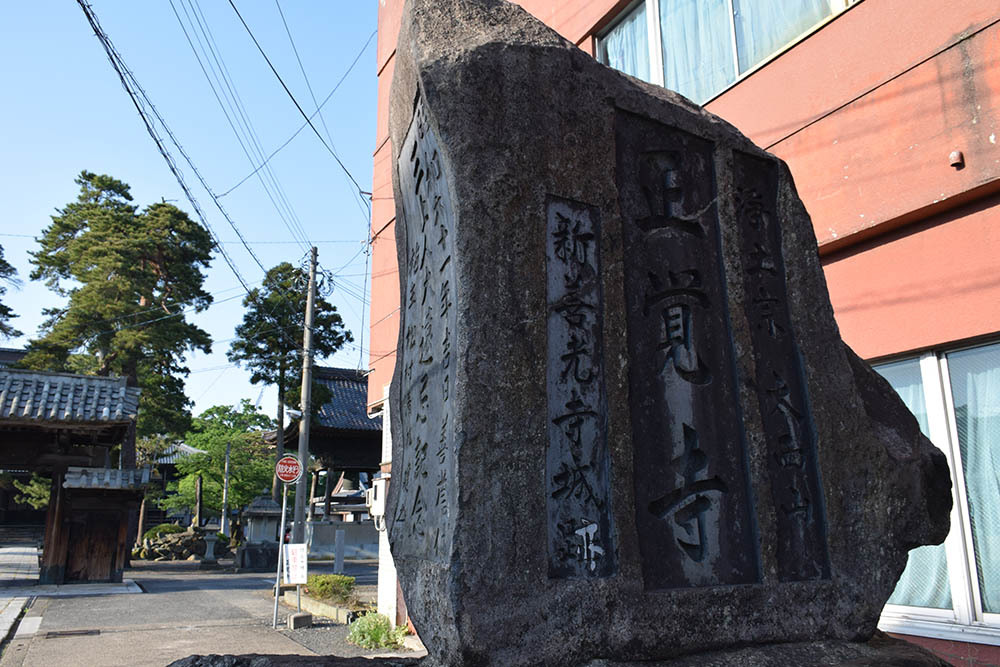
(626, 46)
(924, 582)
(765, 26)
(697, 47)
(975, 386)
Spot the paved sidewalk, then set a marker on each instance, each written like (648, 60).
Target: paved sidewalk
(18, 570)
(10, 609)
(18, 566)
(19, 584)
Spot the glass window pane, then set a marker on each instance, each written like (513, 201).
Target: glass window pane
(766, 26)
(626, 46)
(924, 582)
(975, 389)
(904, 376)
(697, 47)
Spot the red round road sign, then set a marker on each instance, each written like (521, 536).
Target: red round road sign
(288, 469)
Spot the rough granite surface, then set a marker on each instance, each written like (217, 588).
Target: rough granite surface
(625, 426)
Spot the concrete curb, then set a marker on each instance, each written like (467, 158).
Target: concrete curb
(12, 608)
(317, 608)
(128, 586)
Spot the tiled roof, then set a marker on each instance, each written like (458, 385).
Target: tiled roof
(347, 409)
(34, 396)
(176, 451)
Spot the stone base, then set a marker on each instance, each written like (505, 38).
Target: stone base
(300, 620)
(283, 588)
(880, 651)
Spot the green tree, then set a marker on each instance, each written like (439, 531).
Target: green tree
(128, 276)
(269, 341)
(250, 467)
(8, 274)
(34, 492)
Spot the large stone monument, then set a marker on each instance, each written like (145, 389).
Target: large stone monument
(625, 426)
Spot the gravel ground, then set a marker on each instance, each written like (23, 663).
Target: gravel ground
(328, 638)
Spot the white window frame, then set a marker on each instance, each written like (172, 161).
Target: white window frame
(966, 621)
(653, 37)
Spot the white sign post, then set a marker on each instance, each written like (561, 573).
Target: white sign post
(296, 563)
(296, 568)
(288, 470)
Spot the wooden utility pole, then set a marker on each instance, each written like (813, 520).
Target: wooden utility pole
(197, 502)
(302, 488)
(224, 521)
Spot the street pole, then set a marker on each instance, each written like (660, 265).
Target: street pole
(224, 527)
(281, 552)
(197, 502)
(302, 489)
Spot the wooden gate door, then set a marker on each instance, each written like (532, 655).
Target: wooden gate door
(93, 542)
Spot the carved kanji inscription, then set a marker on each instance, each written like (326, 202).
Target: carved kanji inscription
(578, 498)
(694, 508)
(780, 380)
(426, 476)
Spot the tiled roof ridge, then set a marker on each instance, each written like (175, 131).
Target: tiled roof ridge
(347, 408)
(28, 371)
(65, 397)
(331, 372)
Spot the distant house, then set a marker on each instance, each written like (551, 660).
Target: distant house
(10, 356)
(164, 471)
(344, 440)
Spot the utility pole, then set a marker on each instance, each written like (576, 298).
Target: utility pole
(224, 522)
(302, 488)
(197, 502)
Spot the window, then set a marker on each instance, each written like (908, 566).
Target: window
(952, 591)
(699, 47)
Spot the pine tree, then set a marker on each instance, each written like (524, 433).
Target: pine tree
(8, 274)
(268, 342)
(129, 277)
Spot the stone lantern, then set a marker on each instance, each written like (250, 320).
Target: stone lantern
(260, 552)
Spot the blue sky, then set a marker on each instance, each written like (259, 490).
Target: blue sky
(64, 111)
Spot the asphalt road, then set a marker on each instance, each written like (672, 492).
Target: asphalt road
(183, 611)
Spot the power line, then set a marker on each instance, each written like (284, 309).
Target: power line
(139, 325)
(235, 107)
(296, 103)
(252, 132)
(147, 111)
(140, 100)
(312, 95)
(162, 307)
(303, 70)
(255, 242)
(125, 76)
(364, 299)
(232, 100)
(313, 115)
